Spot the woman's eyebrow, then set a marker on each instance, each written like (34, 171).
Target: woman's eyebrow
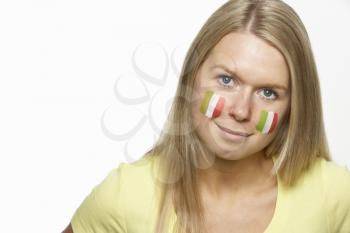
(233, 73)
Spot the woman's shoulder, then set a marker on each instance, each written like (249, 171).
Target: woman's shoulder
(139, 177)
(336, 176)
(323, 193)
(337, 194)
(125, 185)
(337, 180)
(124, 177)
(124, 196)
(141, 171)
(330, 172)
(325, 180)
(330, 176)
(139, 194)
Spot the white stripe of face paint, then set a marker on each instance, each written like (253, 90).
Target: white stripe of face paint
(268, 122)
(211, 106)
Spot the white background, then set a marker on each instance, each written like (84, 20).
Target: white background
(59, 62)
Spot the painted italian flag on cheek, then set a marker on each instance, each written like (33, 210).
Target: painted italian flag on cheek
(212, 104)
(267, 122)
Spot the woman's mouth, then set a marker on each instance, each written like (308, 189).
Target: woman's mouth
(232, 134)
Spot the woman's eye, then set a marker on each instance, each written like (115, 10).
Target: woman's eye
(225, 80)
(269, 94)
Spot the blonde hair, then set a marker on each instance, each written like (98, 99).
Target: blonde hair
(300, 138)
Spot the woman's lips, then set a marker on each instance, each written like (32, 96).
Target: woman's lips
(231, 135)
(237, 133)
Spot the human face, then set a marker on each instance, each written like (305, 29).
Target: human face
(251, 76)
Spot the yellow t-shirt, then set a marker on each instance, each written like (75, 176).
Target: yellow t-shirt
(126, 202)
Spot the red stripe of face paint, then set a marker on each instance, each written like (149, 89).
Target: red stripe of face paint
(274, 122)
(219, 106)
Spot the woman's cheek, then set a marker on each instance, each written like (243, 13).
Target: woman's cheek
(268, 122)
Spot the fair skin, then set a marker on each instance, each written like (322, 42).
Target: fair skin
(239, 176)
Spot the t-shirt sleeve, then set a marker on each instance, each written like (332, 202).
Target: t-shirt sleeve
(339, 199)
(102, 211)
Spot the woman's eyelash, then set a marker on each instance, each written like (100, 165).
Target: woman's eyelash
(221, 78)
(274, 93)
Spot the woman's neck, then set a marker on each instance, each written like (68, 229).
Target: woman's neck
(234, 177)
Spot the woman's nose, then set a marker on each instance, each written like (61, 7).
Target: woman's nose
(240, 107)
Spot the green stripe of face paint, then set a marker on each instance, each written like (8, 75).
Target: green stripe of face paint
(263, 117)
(206, 100)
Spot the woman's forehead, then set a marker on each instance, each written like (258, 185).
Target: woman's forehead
(248, 56)
(247, 45)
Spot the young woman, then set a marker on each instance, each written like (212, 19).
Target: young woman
(243, 149)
